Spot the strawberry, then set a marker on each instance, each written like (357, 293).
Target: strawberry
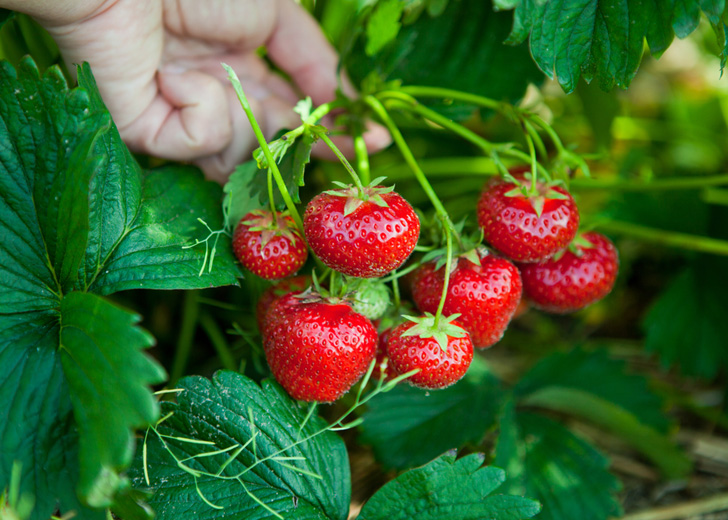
(365, 233)
(525, 226)
(271, 248)
(441, 351)
(583, 274)
(317, 349)
(370, 299)
(486, 294)
(295, 285)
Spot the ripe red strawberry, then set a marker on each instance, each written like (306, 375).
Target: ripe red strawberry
(364, 234)
(485, 295)
(271, 248)
(317, 350)
(441, 352)
(295, 285)
(527, 228)
(572, 281)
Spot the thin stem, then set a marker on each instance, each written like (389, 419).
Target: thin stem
(271, 198)
(667, 238)
(190, 314)
(218, 341)
(446, 278)
(533, 162)
(547, 128)
(264, 146)
(437, 92)
(409, 158)
(485, 167)
(467, 134)
(362, 158)
(326, 139)
(395, 293)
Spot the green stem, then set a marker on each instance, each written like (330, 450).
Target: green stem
(362, 158)
(209, 325)
(437, 92)
(409, 158)
(264, 146)
(446, 278)
(485, 167)
(395, 292)
(271, 198)
(190, 314)
(533, 162)
(667, 238)
(546, 128)
(463, 132)
(326, 139)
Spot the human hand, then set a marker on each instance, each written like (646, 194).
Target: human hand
(158, 68)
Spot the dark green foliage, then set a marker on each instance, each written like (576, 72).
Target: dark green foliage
(266, 428)
(448, 488)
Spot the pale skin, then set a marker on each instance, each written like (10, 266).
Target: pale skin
(157, 64)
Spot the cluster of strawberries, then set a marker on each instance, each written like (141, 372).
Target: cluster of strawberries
(318, 346)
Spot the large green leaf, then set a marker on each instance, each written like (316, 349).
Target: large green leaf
(462, 49)
(594, 372)
(448, 488)
(547, 462)
(46, 134)
(272, 456)
(75, 216)
(108, 379)
(601, 39)
(154, 252)
(591, 386)
(408, 426)
(36, 422)
(684, 326)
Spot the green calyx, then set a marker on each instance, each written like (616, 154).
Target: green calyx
(428, 326)
(357, 196)
(270, 226)
(537, 193)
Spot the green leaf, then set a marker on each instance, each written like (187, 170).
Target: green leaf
(383, 25)
(448, 488)
(75, 216)
(154, 252)
(247, 187)
(462, 49)
(260, 426)
(684, 326)
(36, 422)
(595, 373)
(101, 358)
(595, 388)
(43, 208)
(5, 15)
(602, 39)
(408, 426)
(566, 474)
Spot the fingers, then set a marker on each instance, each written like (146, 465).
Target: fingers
(298, 47)
(188, 118)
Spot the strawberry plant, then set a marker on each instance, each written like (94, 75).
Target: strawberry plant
(483, 312)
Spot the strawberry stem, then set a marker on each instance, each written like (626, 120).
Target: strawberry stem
(362, 158)
(493, 150)
(533, 191)
(666, 238)
(321, 133)
(409, 158)
(272, 165)
(446, 278)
